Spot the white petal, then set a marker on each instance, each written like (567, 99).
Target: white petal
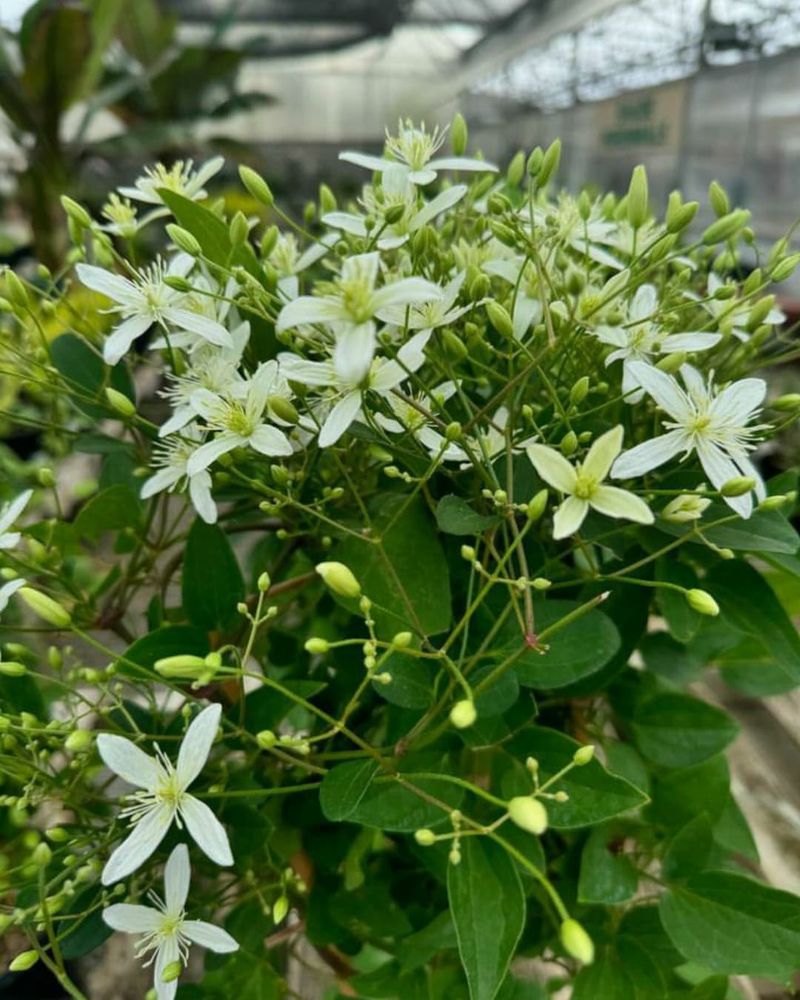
(346, 221)
(526, 312)
(197, 743)
(340, 418)
(164, 479)
(569, 517)
(354, 351)
(200, 494)
(461, 163)
(208, 170)
(644, 303)
(168, 952)
(13, 509)
(650, 454)
(137, 848)
(407, 291)
(614, 502)
(119, 341)
(209, 452)
(720, 468)
(113, 286)
(177, 875)
(208, 329)
(307, 372)
(412, 354)
(179, 419)
(663, 388)
(132, 919)
(270, 441)
(206, 830)
(364, 160)
(738, 402)
(209, 936)
(8, 590)
(309, 309)
(689, 342)
(10, 540)
(446, 199)
(553, 468)
(603, 452)
(128, 761)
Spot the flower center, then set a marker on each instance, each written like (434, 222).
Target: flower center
(169, 790)
(585, 486)
(701, 423)
(357, 299)
(238, 421)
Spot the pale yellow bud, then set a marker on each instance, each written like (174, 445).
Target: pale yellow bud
(528, 813)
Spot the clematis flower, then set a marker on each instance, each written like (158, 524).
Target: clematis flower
(172, 458)
(164, 928)
(181, 178)
(410, 153)
(8, 515)
(409, 419)
(639, 339)
(734, 315)
(430, 315)
(164, 798)
(583, 484)
(146, 300)
(712, 424)
(240, 419)
(350, 310)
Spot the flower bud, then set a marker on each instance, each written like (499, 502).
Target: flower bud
(238, 230)
(182, 665)
(638, 197)
(785, 268)
(264, 582)
(178, 283)
(576, 942)
(579, 391)
(550, 162)
(454, 431)
(787, 403)
(256, 185)
(516, 169)
(459, 135)
(269, 240)
(536, 506)
(76, 212)
(280, 909)
(569, 443)
(339, 579)
(468, 553)
(726, 227)
(534, 164)
(171, 971)
(463, 714)
(327, 199)
(184, 240)
(10, 668)
(45, 607)
(283, 408)
(500, 319)
(702, 602)
(738, 486)
(316, 644)
(16, 291)
(78, 739)
(45, 478)
(42, 855)
(402, 640)
(583, 755)
(718, 199)
(25, 960)
(424, 837)
(528, 813)
(266, 739)
(120, 403)
(774, 502)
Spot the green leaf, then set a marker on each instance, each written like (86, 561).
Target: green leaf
(665, 656)
(763, 531)
(410, 579)
(749, 605)
(412, 681)
(575, 651)
(343, 787)
(677, 730)
(488, 909)
(689, 849)
(606, 877)
(111, 510)
(734, 925)
(245, 975)
(455, 517)
(171, 640)
(682, 794)
(87, 933)
(86, 375)
(419, 948)
(605, 979)
(594, 794)
(212, 583)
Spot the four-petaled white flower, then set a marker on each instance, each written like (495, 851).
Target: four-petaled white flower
(584, 487)
(410, 153)
(181, 178)
(411, 416)
(164, 798)
(712, 424)
(173, 457)
(164, 928)
(640, 338)
(147, 300)
(351, 308)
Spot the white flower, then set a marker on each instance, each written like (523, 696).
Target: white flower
(383, 376)
(147, 300)
(164, 927)
(289, 262)
(733, 315)
(411, 419)
(173, 457)
(163, 798)
(492, 440)
(686, 507)
(712, 424)
(410, 153)
(583, 484)
(527, 298)
(180, 178)
(8, 515)
(430, 315)
(240, 419)
(588, 237)
(350, 310)
(639, 339)
(121, 217)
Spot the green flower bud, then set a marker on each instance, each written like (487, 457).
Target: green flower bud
(638, 197)
(171, 971)
(184, 240)
(538, 505)
(671, 362)
(394, 213)
(339, 579)
(317, 645)
(787, 403)
(702, 602)
(579, 391)
(178, 283)
(16, 291)
(534, 164)
(45, 478)
(468, 553)
(504, 233)
(528, 813)
(327, 199)
(738, 486)
(424, 837)
(541, 583)
(25, 960)
(463, 714)
(454, 431)
(516, 169)
(583, 755)
(283, 408)
(120, 403)
(785, 268)
(256, 185)
(269, 241)
(678, 219)
(568, 444)
(459, 135)
(264, 582)
(498, 203)
(576, 942)
(57, 834)
(78, 739)
(42, 855)
(402, 640)
(45, 607)
(550, 162)
(183, 665)
(718, 199)
(726, 227)
(10, 668)
(266, 739)
(774, 502)
(280, 909)
(76, 212)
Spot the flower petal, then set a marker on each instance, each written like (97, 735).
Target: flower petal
(8, 590)
(270, 441)
(113, 286)
(444, 200)
(614, 502)
(209, 452)
(202, 500)
(164, 479)
(553, 468)
(354, 351)
(177, 875)
(365, 160)
(663, 388)
(739, 401)
(137, 848)
(208, 329)
(12, 510)
(406, 292)
(309, 309)
(603, 452)
(644, 303)
(650, 454)
(340, 418)
(128, 761)
(206, 830)
(168, 952)
(197, 743)
(209, 936)
(569, 517)
(119, 341)
(676, 342)
(461, 163)
(720, 468)
(132, 919)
